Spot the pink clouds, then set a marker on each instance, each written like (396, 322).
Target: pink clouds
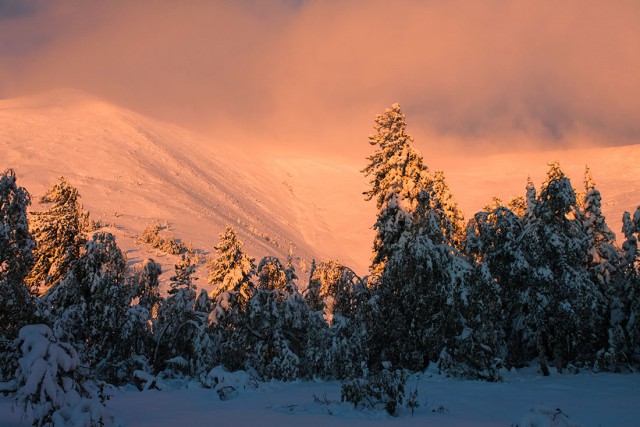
(498, 74)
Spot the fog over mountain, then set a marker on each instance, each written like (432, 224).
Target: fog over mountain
(310, 75)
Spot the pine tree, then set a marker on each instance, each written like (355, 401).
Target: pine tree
(602, 262)
(397, 176)
(276, 315)
(146, 285)
(314, 289)
(494, 242)
(631, 296)
(89, 306)
(60, 234)
(178, 323)
(16, 259)
(203, 347)
(232, 268)
(271, 274)
(421, 306)
(569, 307)
(347, 301)
(229, 331)
(453, 223)
(16, 242)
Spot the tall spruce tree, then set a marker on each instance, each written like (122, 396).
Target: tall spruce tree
(494, 242)
(631, 269)
(146, 285)
(59, 232)
(89, 306)
(178, 323)
(567, 307)
(453, 224)
(421, 310)
(602, 263)
(397, 176)
(275, 323)
(16, 259)
(232, 268)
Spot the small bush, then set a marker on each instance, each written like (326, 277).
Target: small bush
(382, 390)
(157, 237)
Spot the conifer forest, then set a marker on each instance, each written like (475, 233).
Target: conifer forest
(538, 281)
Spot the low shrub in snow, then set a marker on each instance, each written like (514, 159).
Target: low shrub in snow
(228, 385)
(381, 390)
(156, 236)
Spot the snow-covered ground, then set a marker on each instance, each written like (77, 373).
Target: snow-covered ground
(523, 399)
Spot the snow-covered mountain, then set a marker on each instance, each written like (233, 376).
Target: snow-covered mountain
(132, 170)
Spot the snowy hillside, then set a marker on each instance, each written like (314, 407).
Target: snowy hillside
(132, 170)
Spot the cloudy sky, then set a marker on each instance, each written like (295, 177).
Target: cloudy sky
(470, 75)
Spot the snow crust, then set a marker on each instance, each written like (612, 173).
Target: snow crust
(524, 399)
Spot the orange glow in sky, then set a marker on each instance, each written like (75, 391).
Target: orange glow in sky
(476, 76)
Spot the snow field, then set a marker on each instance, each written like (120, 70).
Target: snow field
(524, 399)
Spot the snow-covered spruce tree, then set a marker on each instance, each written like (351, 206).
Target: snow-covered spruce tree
(340, 350)
(602, 263)
(49, 388)
(59, 233)
(146, 286)
(394, 168)
(16, 259)
(89, 306)
(338, 286)
(480, 350)
(232, 268)
(231, 272)
(229, 331)
(347, 300)
(455, 226)
(630, 267)
(135, 345)
(178, 323)
(567, 308)
(271, 274)
(316, 340)
(314, 289)
(204, 346)
(421, 304)
(275, 322)
(494, 242)
(430, 306)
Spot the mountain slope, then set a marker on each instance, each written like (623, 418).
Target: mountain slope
(131, 170)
